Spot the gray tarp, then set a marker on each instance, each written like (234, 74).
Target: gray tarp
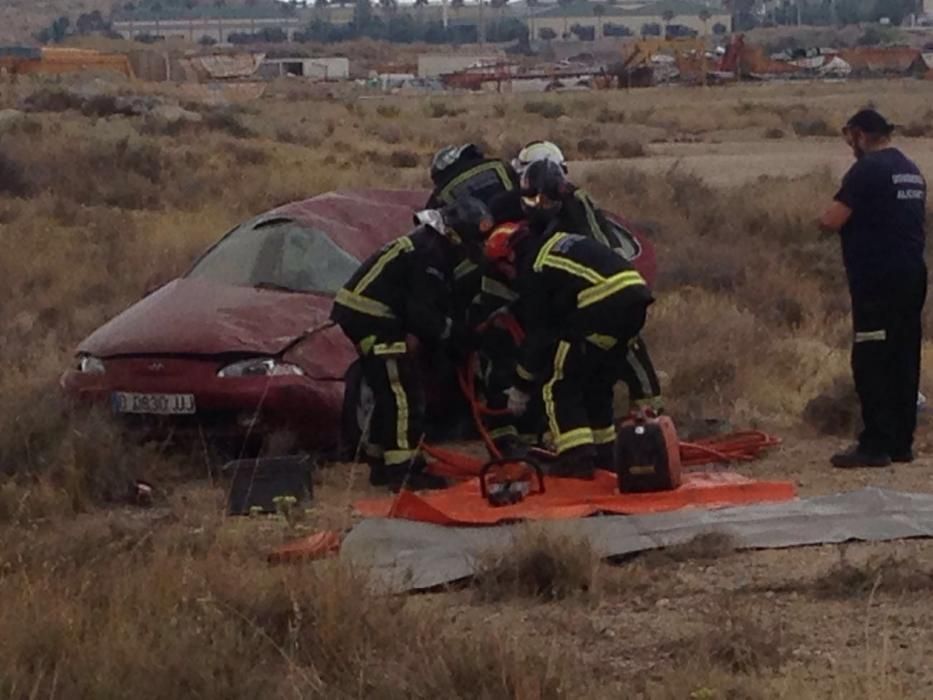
(406, 555)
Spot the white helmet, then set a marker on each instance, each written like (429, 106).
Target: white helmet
(539, 150)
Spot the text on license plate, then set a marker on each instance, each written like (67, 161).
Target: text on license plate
(158, 404)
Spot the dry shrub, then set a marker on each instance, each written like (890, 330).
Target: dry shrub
(774, 133)
(629, 148)
(228, 121)
(917, 129)
(888, 574)
(388, 111)
(52, 99)
(13, 179)
(609, 116)
(539, 564)
(592, 148)
(442, 110)
(738, 640)
(248, 155)
(707, 546)
(404, 159)
(545, 108)
(813, 126)
(390, 133)
(836, 410)
(60, 461)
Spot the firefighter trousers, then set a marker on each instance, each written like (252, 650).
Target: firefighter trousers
(498, 355)
(390, 371)
(578, 395)
(886, 359)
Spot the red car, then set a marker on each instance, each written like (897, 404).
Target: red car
(240, 349)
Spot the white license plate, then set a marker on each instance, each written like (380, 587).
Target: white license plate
(155, 404)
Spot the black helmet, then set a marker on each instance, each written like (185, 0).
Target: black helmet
(469, 218)
(449, 155)
(543, 179)
(543, 187)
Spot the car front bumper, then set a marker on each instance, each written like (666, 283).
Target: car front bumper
(237, 408)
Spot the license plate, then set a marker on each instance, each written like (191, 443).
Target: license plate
(155, 404)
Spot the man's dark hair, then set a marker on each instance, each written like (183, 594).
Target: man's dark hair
(870, 122)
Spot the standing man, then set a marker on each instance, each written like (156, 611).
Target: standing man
(879, 213)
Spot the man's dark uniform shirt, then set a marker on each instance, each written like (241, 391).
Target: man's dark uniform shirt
(885, 234)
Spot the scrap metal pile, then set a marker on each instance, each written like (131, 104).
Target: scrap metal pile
(659, 61)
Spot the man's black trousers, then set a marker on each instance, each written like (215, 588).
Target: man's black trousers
(887, 316)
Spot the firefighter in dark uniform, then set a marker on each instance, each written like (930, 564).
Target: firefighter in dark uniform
(499, 334)
(582, 308)
(465, 171)
(578, 212)
(406, 289)
(879, 213)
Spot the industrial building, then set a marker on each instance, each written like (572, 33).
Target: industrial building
(206, 22)
(603, 19)
(301, 67)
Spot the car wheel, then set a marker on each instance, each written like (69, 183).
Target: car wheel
(358, 404)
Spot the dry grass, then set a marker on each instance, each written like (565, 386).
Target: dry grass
(165, 612)
(708, 546)
(539, 565)
(885, 574)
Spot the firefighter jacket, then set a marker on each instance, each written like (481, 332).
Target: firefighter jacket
(571, 288)
(580, 215)
(485, 180)
(405, 288)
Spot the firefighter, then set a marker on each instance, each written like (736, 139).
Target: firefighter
(582, 308)
(578, 213)
(406, 289)
(879, 213)
(465, 171)
(500, 334)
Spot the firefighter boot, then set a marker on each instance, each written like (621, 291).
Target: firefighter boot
(578, 463)
(414, 477)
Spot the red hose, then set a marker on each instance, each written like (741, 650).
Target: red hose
(743, 446)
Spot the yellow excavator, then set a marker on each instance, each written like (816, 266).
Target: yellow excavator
(636, 70)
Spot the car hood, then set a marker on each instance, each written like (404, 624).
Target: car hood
(196, 317)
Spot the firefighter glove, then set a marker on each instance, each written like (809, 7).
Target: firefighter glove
(518, 401)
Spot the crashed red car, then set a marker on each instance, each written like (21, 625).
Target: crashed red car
(240, 349)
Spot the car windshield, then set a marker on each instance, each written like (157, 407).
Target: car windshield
(627, 243)
(277, 254)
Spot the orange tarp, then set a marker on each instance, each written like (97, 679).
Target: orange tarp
(320, 545)
(572, 498)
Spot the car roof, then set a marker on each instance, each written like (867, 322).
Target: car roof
(359, 221)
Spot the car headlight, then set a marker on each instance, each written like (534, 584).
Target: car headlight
(88, 364)
(261, 367)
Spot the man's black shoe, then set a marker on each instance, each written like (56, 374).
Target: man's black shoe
(902, 457)
(414, 477)
(857, 458)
